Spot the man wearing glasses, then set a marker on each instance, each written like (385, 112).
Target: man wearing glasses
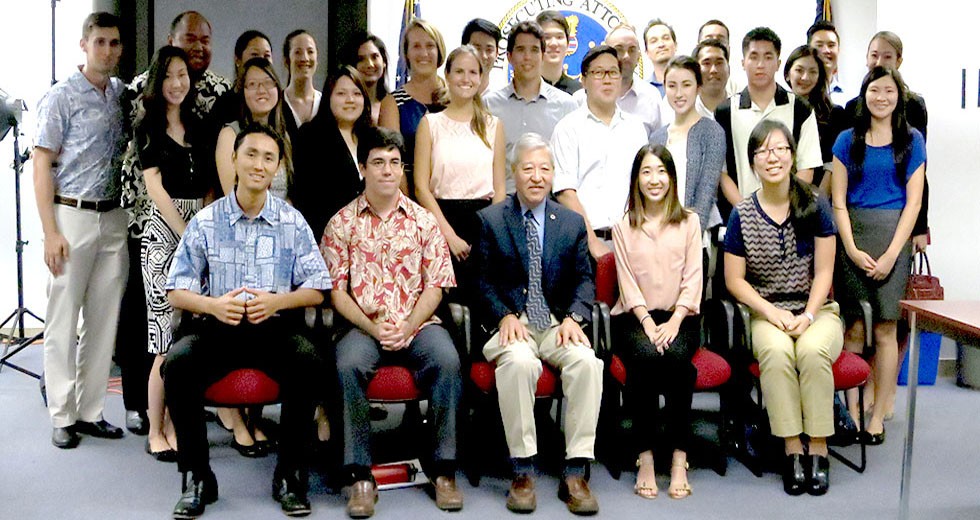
(594, 147)
(762, 99)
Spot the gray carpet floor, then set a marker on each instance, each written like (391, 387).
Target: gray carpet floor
(115, 479)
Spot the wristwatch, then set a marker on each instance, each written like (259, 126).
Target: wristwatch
(809, 316)
(576, 317)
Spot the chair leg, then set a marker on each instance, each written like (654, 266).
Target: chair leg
(864, 449)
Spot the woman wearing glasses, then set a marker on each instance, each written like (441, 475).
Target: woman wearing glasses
(779, 261)
(261, 100)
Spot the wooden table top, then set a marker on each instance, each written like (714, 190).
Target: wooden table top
(959, 320)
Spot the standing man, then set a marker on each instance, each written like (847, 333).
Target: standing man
(594, 148)
(242, 263)
(717, 30)
(390, 266)
(539, 293)
(712, 56)
(76, 183)
(556, 35)
(527, 104)
(660, 43)
(762, 99)
(823, 37)
(484, 36)
(638, 98)
(190, 31)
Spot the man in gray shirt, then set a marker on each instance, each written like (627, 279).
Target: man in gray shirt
(527, 104)
(79, 141)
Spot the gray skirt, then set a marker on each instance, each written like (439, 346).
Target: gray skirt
(873, 231)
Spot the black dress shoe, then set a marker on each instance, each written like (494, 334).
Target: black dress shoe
(818, 476)
(100, 428)
(794, 474)
(289, 489)
(167, 455)
(137, 422)
(198, 489)
(64, 438)
(871, 439)
(254, 451)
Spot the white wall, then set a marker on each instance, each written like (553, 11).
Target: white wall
(935, 38)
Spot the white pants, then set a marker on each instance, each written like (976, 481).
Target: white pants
(517, 372)
(76, 372)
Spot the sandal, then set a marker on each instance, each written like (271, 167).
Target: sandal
(682, 491)
(641, 488)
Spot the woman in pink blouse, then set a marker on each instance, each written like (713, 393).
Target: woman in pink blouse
(460, 156)
(655, 324)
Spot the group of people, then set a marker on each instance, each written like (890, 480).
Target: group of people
(248, 201)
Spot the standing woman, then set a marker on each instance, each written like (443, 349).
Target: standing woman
(658, 264)
(806, 74)
(299, 55)
(164, 137)
(779, 260)
(424, 92)
(878, 176)
(260, 98)
(459, 161)
(698, 145)
(251, 44)
(369, 56)
(327, 176)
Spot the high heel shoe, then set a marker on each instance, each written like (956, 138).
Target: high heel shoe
(644, 490)
(682, 491)
(818, 476)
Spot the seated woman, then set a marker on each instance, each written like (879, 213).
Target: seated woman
(658, 263)
(806, 75)
(260, 99)
(779, 260)
(459, 163)
(299, 55)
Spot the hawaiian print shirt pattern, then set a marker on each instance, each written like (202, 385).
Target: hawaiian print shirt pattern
(386, 263)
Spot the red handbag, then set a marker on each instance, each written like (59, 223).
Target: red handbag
(923, 286)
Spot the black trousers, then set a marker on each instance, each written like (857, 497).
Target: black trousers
(131, 342)
(210, 350)
(649, 374)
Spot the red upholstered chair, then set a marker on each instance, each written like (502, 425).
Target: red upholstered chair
(850, 371)
(713, 369)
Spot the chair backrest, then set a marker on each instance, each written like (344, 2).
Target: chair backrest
(606, 284)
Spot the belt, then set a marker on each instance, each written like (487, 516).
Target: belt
(605, 234)
(93, 205)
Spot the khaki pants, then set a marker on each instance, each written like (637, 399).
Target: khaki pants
(76, 373)
(796, 375)
(517, 372)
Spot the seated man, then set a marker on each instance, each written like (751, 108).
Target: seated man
(537, 282)
(390, 266)
(257, 257)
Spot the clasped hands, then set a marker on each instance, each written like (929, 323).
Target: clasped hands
(512, 329)
(394, 336)
(661, 335)
(875, 269)
(791, 324)
(232, 306)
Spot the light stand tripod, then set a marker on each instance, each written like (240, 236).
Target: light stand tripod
(15, 339)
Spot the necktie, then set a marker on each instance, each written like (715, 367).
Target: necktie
(538, 314)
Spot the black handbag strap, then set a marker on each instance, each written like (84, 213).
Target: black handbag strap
(922, 257)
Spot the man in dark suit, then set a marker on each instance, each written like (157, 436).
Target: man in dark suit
(538, 289)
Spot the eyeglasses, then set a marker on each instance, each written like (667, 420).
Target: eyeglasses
(267, 85)
(601, 74)
(781, 151)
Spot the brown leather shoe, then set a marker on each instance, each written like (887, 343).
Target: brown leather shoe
(363, 496)
(520, 498)
(575, 492)
(448, 496)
